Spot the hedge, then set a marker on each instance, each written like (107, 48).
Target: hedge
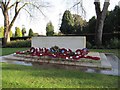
(19, 43)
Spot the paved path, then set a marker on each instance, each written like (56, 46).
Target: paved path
(115, 62)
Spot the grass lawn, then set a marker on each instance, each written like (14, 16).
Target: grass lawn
(18, 76)
(7, 51)
(114, 51)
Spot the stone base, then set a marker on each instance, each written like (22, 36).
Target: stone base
(103, 63)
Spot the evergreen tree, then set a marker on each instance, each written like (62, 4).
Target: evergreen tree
(91, 26)
(30, 32)
(79, 24)
(18, 32)
(67, 23)
(23, 31)
(49, 29)
(112, 22)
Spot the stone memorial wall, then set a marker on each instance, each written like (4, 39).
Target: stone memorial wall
(72, 42)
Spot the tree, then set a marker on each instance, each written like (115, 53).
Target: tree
(79, 23)
(91, 25)
(67, 23)
(30, 32)
(18, 32)
(16, 5)
(116, 17)
(2, 32)
(49, 29)
(112, 22)
(23, 31)
(101, 14)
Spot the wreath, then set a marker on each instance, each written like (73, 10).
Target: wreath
(56, 52)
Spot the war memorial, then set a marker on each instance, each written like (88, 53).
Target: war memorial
(67, 50)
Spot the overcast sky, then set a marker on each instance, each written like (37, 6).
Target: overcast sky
(54, 13)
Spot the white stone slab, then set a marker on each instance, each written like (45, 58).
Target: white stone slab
(72, 42)
(104, 62)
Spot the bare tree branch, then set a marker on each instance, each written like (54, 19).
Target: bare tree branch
(104, 11)
(38, 9)
(5, 2)
(97, 7)
(8, 3)
(28, 12)
(43, 6)
(83, 12)
(22, 7)
(2, 6)
(16, 7)
(16, 14)
(13, 20)
(12, 5)
(75, 4)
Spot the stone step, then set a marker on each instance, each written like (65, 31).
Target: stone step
(105, 62)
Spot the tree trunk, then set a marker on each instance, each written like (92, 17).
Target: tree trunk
(6, 28)
(100, 22)
(99, 31)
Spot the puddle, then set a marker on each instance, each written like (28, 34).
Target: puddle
(58, 66)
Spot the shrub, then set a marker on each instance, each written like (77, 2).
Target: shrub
(114, 43)
(88, 45)
(19, 43)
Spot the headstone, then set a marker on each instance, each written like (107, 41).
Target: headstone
(72, 42)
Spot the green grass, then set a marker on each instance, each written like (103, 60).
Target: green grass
(114, 51)
(18, 76)
(7, 51)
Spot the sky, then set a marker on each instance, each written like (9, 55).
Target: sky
(54, 14)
